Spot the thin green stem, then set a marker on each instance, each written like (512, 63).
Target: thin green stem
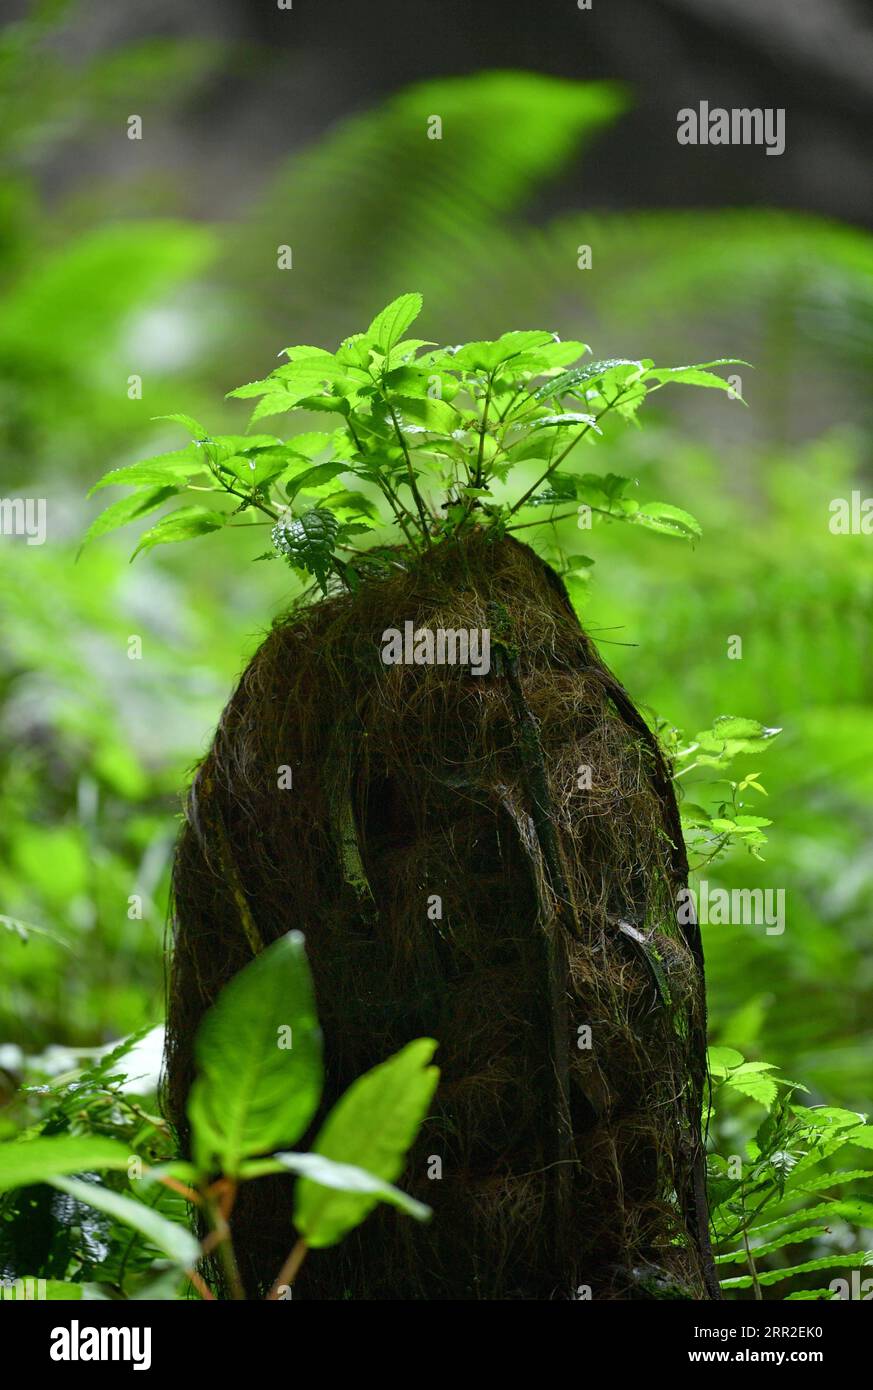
(483, 427)
(560, 459)
(549, 520)
(411, 471)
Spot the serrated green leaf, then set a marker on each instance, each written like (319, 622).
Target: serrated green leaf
(182, 525)
(313, 477)
(775, 1276)
(127, 509)
(434, 415)
(697, 375)
(194, 427)
(389, 326)
(797, 1237)
(569, 383)
(162, 470)
(669, 520)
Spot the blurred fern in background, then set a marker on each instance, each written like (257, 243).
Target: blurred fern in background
(99, 287)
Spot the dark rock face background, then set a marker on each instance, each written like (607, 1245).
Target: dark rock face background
(287, 75)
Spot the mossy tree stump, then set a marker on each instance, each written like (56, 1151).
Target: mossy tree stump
(494, 861)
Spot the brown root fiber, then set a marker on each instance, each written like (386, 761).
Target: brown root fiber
(567, 1000)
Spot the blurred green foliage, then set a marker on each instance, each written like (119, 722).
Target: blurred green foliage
(95, 744)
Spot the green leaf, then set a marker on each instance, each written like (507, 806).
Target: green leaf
(194, 428)
(569, 383)
(487, 356)
(697, 375)
(256, 467)
(730, 735)
(58, 1290)
(308, 541)
(127, 509)
(294, 381)
(372, 1127)
(346, 1177)
(821, 1295)
(389, 326)
(173, 1240)
(181, 525)
(669, 520)
(314, 477)
(566, 417)
(432, 414)
(27, 1161)
(163, 469)
(723, 1059)
(253, 1093)
(775, 1276)
(797, 1237)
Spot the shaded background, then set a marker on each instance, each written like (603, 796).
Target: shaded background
(157, 258)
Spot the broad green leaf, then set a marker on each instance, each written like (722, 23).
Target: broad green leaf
(181, 525)
(258, 1057)
(172, 1239)
(372, 1127)
(54, 1290)
(127, 509)
(389, 326)
(27, 1161)
(723, 1059)
(345, 1177)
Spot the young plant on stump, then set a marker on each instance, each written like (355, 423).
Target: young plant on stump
(428, 769)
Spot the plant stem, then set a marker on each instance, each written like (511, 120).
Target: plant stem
(547, 520)
(750, 1260)
(218, 1213)
(410, 470)
(250, 501)
(477, 477)
(200, 1285)
(560, 459)
(290, 1269)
